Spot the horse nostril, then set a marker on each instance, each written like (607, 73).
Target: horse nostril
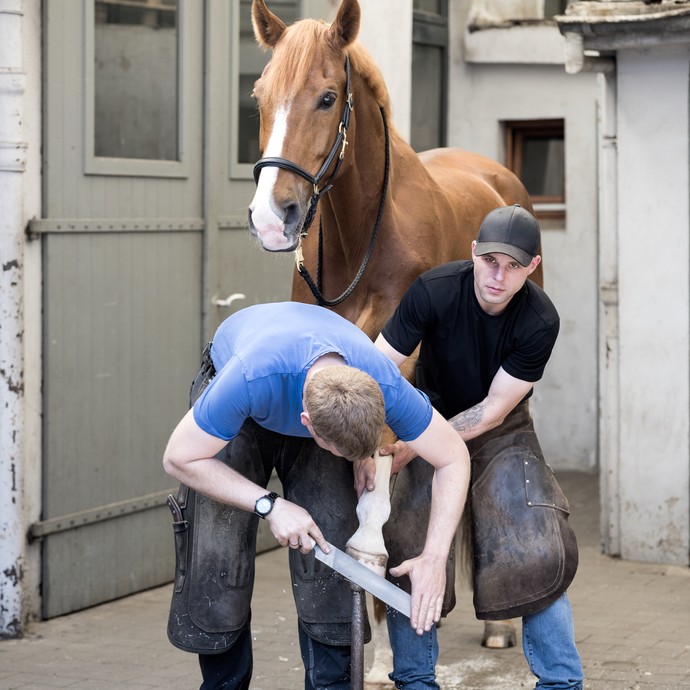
(292, 215)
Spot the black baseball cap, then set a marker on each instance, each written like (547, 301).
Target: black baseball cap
(509, 230)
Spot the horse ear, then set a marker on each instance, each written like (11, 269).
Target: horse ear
(267, 27)
(345, 28)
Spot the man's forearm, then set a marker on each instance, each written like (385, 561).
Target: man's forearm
(448, 497)
(466, 422)
(474, 421)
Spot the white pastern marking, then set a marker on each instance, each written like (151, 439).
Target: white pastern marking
(269, 226)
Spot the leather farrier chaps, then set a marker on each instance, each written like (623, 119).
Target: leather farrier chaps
(215, 544)
(524, 551)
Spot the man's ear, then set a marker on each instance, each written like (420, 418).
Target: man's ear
(474, 244)
(305, 419)
(534, 263)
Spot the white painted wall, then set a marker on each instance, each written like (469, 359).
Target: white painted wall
(516, 74)
(654, 259)
(386, 33)
(20, 360)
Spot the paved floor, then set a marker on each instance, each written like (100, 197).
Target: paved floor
(632, 626)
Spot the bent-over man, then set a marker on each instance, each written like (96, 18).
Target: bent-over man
(275, 376)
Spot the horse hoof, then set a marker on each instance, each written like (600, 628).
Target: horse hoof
(498, 635)
(377, 679)
(374, 561)
(377, 676)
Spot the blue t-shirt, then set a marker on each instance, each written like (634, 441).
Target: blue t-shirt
(262, 354)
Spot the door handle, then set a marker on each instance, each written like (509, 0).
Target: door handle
(217, 302)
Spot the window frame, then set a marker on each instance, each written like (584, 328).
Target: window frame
(136, 167)
(546, 207)
(430, 29)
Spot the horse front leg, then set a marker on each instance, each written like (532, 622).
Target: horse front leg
(367, 545)
(373, 511)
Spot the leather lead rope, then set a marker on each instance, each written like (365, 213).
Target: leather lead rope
(316, 290)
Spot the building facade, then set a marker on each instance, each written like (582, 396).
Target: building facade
(126, 152)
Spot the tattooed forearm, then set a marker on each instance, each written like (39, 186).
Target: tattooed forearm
(468, 420)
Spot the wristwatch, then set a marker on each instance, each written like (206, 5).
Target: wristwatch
(265, 504)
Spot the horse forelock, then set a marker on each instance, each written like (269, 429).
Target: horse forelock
(298, 48)
(292, 59)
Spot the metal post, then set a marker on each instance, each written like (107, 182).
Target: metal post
(357, 640)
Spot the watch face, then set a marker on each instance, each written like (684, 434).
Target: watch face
(264, 505)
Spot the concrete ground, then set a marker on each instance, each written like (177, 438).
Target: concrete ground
(632, 624)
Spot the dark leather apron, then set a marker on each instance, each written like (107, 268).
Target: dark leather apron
(524, 551)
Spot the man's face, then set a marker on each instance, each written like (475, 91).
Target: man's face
(497, 278)
(320, 442)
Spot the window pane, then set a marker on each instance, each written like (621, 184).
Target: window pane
(427, 77)
(543, 163)
(136, 81)
(553, 7)
(252, 63)
(430, 6)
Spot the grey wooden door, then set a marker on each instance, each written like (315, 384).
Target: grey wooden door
(122, 234)
(149, 141)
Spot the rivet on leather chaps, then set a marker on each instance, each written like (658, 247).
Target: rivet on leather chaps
(215, 544)
(524, 551)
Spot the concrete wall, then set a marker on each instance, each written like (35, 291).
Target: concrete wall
(20, 281)
(517, 74)
(392, 51)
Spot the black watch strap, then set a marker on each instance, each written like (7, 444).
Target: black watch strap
(269, 507)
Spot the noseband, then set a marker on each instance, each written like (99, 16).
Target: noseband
(340, 144)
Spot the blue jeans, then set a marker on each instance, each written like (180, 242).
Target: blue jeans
(229, 670)
(548, 641)
(325, 666)
(414, 656)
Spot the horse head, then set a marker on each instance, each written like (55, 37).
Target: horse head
(304, 105)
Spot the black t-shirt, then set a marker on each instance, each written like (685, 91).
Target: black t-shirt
(462, 346)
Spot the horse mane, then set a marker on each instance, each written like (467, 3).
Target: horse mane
(362, 63)
(296, 51)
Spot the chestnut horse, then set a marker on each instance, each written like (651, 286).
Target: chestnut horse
(382, 214)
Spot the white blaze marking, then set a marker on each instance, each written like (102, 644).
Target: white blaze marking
(270, 226)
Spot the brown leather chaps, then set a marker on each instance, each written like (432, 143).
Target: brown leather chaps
(524, 551)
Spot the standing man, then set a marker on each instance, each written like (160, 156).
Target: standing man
(275, 377)
(486, 334)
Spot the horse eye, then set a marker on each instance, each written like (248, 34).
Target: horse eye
(328, 101)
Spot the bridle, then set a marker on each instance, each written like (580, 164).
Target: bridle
(339, 145)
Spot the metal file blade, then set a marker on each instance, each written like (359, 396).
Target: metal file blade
(352, 570)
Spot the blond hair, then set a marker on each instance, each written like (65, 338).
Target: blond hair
(346, 409)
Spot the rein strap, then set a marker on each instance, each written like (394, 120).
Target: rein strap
(316, 290)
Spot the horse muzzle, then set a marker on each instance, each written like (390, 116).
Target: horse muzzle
(273, 234)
